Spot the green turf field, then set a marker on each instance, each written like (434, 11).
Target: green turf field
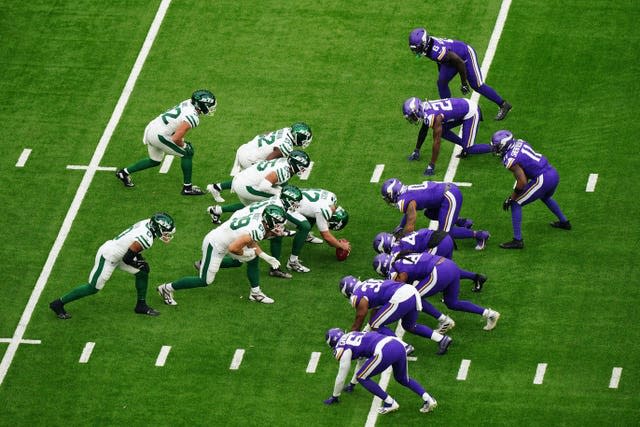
(568, 300)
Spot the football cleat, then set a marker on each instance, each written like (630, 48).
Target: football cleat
(388, 407)
(445, 325)
(492, 319)
(260, 296)
(464, 222)
(297, 266)
(313, 239)
(513, 244)
(481, 240)
(503, 111)
(58, 308)
(215, 189)
(125, 178)
(429, 405)
(215, 218)
(276, 272)
(409, 349)
(192, 190)
(565, 225)
(349, 387)
(167, 295)
(143, 308)
(443, 345)
(478, 282)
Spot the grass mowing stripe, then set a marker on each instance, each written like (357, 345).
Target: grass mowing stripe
(591, 183)
(540, 371)
(377, 173)
(237, 359)
(449, 175)
(464, 369)
(86, 352)
(9, 354)
(162, 356)
(616, 373)
(313, 362)
(24, 156)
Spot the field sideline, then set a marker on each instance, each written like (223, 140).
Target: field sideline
(565, 351)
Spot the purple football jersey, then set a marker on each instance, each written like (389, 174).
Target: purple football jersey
(453, 110)
(377, 292)
(521, 153)
(427, 195)
(361, 344)
(418, 241)
(438, 48)
(416, 266)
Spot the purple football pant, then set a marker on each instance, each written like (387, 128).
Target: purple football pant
(389, 352)
(404, 309)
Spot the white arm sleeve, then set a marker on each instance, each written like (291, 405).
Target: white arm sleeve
(359, 364)
(343, 371)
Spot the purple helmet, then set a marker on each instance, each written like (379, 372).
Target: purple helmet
(382, 264)
(413, 110)
(333, 335)
(347, 285)
(391, 189)
(501, 140)
(418, 40)
(382, 242)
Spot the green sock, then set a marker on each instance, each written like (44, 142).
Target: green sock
(78, 292)
(276, 247)
(141, 165)
(232, 208)
(226, 185)
(142, 280)
(186, 163)
(253, 273)
(299, 239)
(188, 283)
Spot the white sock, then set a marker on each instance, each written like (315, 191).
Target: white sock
(486, 312)
(436, 336)
(442, 318)
(293, 258)
(388, 400)
(169, 287)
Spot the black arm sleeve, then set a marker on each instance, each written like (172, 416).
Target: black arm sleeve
(422, 135)
(130, 257)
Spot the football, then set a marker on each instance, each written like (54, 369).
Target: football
(341, 254)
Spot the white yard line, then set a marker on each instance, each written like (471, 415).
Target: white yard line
(98, 168)
(86, 352)
(237, 359)
(162, 356)
(377, 173)
(616, 373)
(540, 371)
(313, 362)
(23, 158)
(166, 163)
(591, 183)
(8, 340)
(451, 173)
(464, 370)
(10, 353)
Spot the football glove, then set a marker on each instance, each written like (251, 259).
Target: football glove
(349, 388)
(465, 89)
(398, 232)
(415, 155)
(507, 203)
(332, 400)
(141, 265)
(430, 170)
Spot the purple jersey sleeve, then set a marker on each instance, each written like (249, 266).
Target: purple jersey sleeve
(377, 292)
(440, 47)
(361, 344)
(521, 153)
(426, 195)
(418, 241)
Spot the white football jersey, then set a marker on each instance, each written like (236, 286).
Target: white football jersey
(236, 227)
(167, 122)
(319, 204)
(256, 173)
(118, 246)
(261, 146)
(258, 207)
